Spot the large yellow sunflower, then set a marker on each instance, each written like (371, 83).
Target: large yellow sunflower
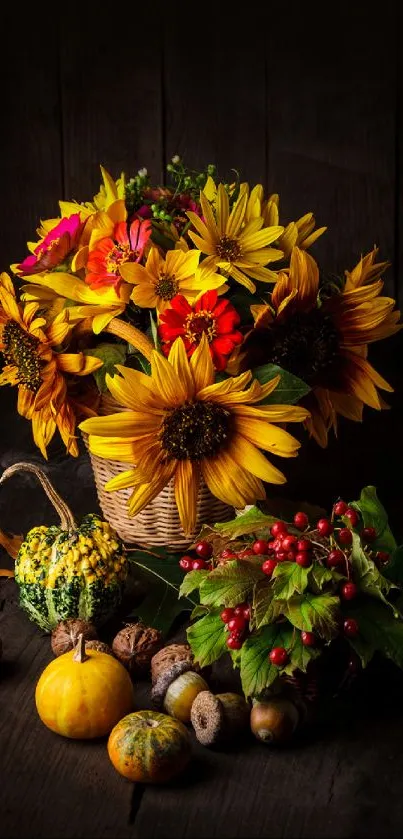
(325, 343)
(162, 278)
(232, 243)
(32, 363)
(182, 425)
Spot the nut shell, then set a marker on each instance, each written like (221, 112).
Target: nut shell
(65, 635)
(170, 655)
(165, 679)
(100, 646)
(207, 718)
(135, 645)
(275, 721)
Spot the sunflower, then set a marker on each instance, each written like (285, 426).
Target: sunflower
(157, 283)
(182, 426)
(325, 343)
(215, 317)
(234, 245)
(32, 364)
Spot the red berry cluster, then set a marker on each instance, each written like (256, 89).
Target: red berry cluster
(237, 624)
(204, 553)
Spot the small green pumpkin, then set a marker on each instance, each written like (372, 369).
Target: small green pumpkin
(69, 571)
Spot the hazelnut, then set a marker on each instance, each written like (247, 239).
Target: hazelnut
(274, 722)
(65, 635)
(219, 718)
(135, 645)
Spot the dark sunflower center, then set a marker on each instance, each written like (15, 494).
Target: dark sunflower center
(166, 287)
(195, 431)
(228, 249)
(20, 350)
(306, 344)
(197, 323)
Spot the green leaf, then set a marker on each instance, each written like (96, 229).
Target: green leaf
(110, 354)
(257, 671)
(379, 631)
(163, 577)
(198, 612)
(231, 583)
(265, 609)
(314, 612)
(394, 569)
(374, 515)
(208, 639)
(250, 521)
(319, 576)
(289, 390)
(289, 577)
(300, 655)
(366, 574)
(192, 581)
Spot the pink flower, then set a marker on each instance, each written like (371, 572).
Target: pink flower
(54, 248)
(127, 244)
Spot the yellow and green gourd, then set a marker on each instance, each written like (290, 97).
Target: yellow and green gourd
(69, 571)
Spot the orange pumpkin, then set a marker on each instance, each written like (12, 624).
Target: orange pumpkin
(83, 693)
(149, 747)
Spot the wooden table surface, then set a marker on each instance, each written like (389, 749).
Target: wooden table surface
(341, 778)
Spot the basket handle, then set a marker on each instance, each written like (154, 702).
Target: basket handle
(67, 521)
(132, 335)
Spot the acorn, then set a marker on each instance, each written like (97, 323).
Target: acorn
(170, 655)
(176, 689)
(65, 635)
(219, 718)
(135, 645)
(274, 722)
(99, 646)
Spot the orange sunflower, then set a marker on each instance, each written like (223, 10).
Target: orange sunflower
(325, 343)
(34, 365)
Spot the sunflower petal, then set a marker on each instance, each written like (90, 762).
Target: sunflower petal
(187, 478)
(250, 458)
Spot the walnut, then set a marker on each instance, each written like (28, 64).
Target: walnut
(100, 646)
(168, 656)
(135, 645)
(65, 635)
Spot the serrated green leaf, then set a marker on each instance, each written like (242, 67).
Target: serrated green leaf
(379, 631)
(191, 581)
(289, 390)
(318, 577)
(231, 583)
(198, 611)
(289, 577)
(300, 655)
(314, 612)
(265, 609)
(110, 354)
(208, 639)
(257, 671)
(163, 577)
(366, 575)
(374, 515)
(250, 521)
(393, 571)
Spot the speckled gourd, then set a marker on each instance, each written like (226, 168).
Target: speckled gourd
(69, 571)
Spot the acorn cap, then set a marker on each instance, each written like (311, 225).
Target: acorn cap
(207, 718)
(166, 678)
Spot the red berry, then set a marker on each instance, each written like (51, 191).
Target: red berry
(204, 550)
(198, 564)
(239, 610)
(291, 556)
(301, 520)
(335, 558)
(349, 591)
(245, 552)
(345, 536)
(382, 557)
(340, 508)
(304, 545)
(236, 624)
(281, 556)
(277, 545)
(304, 559)
(278, 527)
(226, 615)
(246, 613)
(368, 534)
(352, 516)
(269, 566)
(260, 547)
(278, 656)
(234, 643)
(289, 541)
(325, 527)
(186, 563)
(227, 553)
(308, 639)
(351, 628)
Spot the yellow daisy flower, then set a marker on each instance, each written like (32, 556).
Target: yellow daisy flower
(37, 369)
(300, 233)
(181, 425)
(162, 278)
(235, 246)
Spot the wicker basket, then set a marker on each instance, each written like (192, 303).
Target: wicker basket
(158, 524)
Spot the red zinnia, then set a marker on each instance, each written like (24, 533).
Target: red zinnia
(127, 244)
(213, 315)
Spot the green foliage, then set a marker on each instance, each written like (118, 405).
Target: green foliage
(374, 515)
(162, 577)
(289, 390)
(191, 581)
(265, 609)
(319, 577)
(379, 631)
(110, 354)
(231, 583)
(257, 671)
(366, 574)
(207, 638)
(289, 577)
(312, 612)
(394, 569)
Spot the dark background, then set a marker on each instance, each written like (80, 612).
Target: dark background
(304, 98)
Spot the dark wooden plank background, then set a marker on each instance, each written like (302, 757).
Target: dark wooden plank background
(307, 100)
